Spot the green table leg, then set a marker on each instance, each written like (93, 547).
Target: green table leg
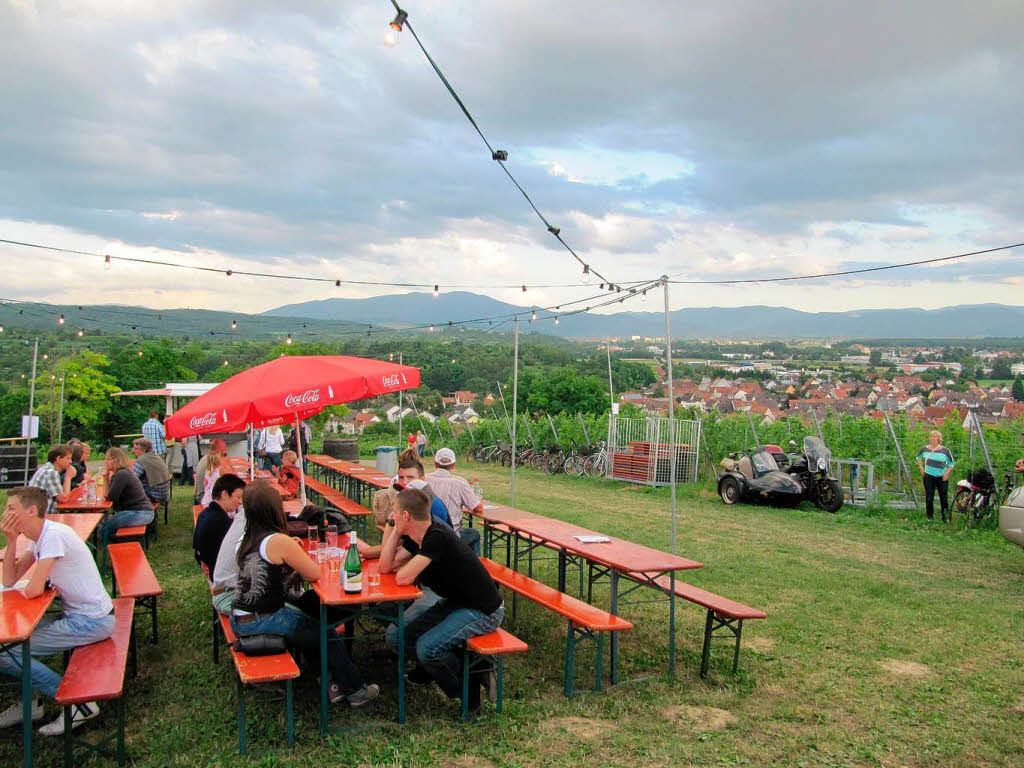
(672, 624)
(401, 662)
(26, 703)
(614, 662)
(323, 669)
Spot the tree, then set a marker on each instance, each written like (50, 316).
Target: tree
(1001, 368)
(875, 358)
(564, 390)
(87, 391)
(1018, 390)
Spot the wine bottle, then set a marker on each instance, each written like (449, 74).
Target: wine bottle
(352, 574)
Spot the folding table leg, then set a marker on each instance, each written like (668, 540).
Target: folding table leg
(672, 624)
(705, 653)
(501, 683)
(242, 745)
(613, 663)
(401, 662)
(570, 652)
(464, 709)
(736, 652)
(69, 741)
(323, 670)
(26, 704)
(289, 715)
(120, 732)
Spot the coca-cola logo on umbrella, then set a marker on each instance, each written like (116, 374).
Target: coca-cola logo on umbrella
(308, 397)
(206, 420)
(390, 381)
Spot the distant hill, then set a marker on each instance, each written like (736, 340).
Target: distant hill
(969, 320)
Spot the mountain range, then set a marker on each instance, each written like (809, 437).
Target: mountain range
(964, 321)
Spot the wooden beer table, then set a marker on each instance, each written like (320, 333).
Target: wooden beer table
(385, 601)
(611, 558)
(19, 618)
(84, 524)
(76, 503)
(358, 480)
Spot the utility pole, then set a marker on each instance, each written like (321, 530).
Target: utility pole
(515, 403)
(31, 405)
(611, 389)
(400, 436)
(60, 413)
(671, 414)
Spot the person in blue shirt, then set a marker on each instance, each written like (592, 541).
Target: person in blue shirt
(935, 462)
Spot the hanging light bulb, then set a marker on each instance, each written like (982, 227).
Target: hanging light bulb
(106, 261)
(436, 292)
(586, 273)
(225, 362)
(60, 320)
(1, 329)
(394, 28)
(234, 324)
(81, 331)
(289, 339)
(140, 353)
(556, 319)
(431, 329)
(45, 356)
(524, 289)
(337, 283)
(533, 316)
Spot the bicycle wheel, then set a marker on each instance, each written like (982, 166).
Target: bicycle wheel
(962, 502)
(573, 465)
(553, 464)
(595, 466)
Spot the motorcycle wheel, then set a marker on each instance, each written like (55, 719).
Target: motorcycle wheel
(830, 496)
(729, 490)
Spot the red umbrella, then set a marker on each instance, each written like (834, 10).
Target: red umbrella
(289, 388)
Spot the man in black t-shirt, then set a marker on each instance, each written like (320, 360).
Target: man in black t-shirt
(214, 521)
(429, 553)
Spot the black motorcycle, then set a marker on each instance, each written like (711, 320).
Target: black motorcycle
(811, 468)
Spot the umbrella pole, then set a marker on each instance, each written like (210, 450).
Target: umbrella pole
(302, 471)
(252, 448)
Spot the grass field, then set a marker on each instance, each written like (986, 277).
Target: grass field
(889, 642)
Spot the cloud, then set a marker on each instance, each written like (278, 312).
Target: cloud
(718, 140)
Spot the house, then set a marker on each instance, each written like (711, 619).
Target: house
(1012, 411)
(393, 413)
(462, 414)
(464, 397)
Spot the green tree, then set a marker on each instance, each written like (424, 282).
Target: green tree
(1001, 368)
(87, 395)
(875, 358)
(1018, 390)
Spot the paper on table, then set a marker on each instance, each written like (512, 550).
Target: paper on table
(19, 586)
(589, 539)
(489, 506)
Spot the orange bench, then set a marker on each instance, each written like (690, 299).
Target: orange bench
(352, 509)
(722, 613)
(96, 673)
(138, 533)
(494, 645)
(255, 670)
(132, 574)
(585, 621)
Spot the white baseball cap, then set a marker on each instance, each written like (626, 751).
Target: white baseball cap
(445, 457)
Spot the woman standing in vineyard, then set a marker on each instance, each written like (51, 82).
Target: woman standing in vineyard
(936, 462)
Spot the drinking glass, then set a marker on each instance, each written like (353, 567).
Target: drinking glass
(313, 535)
(334, 564)
(373, 578)
(332, 537)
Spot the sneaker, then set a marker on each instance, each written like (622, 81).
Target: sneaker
(12, 716)
(334, 694)
(491, 685)
(418, 676)
(364, 695)
(79, 714)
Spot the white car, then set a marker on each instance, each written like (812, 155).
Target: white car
(1011, 517)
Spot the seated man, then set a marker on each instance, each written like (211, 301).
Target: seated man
(151, 471)
(49, 476)
(214, 521)
(429, 553)
(288, 475)
(61, 558)
(457, 495)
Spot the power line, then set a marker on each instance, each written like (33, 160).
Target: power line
(860, 271)
(500, 155)
(109, 258)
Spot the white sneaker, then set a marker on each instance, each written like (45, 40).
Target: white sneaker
(12, 716)
(79, 714)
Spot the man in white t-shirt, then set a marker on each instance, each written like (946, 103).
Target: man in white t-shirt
(54, 553)
(225, 572)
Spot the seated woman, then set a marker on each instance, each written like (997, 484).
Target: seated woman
(126, 495)
(288, 476)
(266, 557)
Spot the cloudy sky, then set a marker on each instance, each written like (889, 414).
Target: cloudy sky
(705, 140)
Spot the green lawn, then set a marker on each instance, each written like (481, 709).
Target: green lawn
(889, 642)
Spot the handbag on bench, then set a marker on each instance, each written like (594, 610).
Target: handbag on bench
(260, 645)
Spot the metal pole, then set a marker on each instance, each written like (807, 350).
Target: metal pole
(515, 403)
(31, 404)
(60, 413)
(671, 414)
(401, 437)
(503, 406)
(611, 389)
(302, 473)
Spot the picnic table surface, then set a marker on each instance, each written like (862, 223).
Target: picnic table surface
(355, 470)
(19, 615)
(617, 553)
(330, 591)
(76, 502)
(82, 523)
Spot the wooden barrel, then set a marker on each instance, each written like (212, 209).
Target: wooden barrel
(12, 465)
(342, 448)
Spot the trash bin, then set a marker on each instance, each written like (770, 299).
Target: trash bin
(387, 459)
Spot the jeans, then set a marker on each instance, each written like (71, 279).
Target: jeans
(440, 631)
(931, 483)
(53, 635)
(124, 518)
(471, 538)
(419, 606)
(304, 633)
(272, 460)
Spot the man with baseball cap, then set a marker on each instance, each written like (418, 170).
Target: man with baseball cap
(457, 495)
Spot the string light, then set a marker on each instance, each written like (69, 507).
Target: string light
(106, 262)
(45, 356)
(524, 289)
(225, 362)
(289, 339)
(234, 324)
(436, 292)
(586, 273)
(556, 319)
(60, 320)
(81, 331)
(431, 329)
(395, 28)
(140, 353)
(533, 316)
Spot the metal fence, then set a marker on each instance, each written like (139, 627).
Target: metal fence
(639, 450)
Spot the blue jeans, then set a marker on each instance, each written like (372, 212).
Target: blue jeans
(304, 633)
(122, 519)
(55, 634)
(419, 606)
(440, 631)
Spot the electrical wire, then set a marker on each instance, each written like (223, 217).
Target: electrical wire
(841, 273)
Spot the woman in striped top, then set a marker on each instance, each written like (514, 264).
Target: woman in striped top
(935, 462)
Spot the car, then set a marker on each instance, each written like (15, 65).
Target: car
(1011, 517)
(756, 477)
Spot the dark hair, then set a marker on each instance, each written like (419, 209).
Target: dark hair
(410, 459)
(416, 503)
(144, 444)
(30, 496)
(56, 452)
(153, 414)
(264, 515)
(228, 484)
(77, 451)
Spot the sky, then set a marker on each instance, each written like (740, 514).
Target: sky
(700, 140)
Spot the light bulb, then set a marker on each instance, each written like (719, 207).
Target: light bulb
(533, 316)
(556, 319)
(106, 261)
(81, 332)
(586, 273)
(289, 339)
(225, 362)
(436, 292)
(431, 329)
(234, 324)
(140, 353)
(391, 37)
(60, 320)
(45, 356)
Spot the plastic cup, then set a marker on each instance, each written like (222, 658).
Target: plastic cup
(332, 536)
(334, 564)
(373, 578)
